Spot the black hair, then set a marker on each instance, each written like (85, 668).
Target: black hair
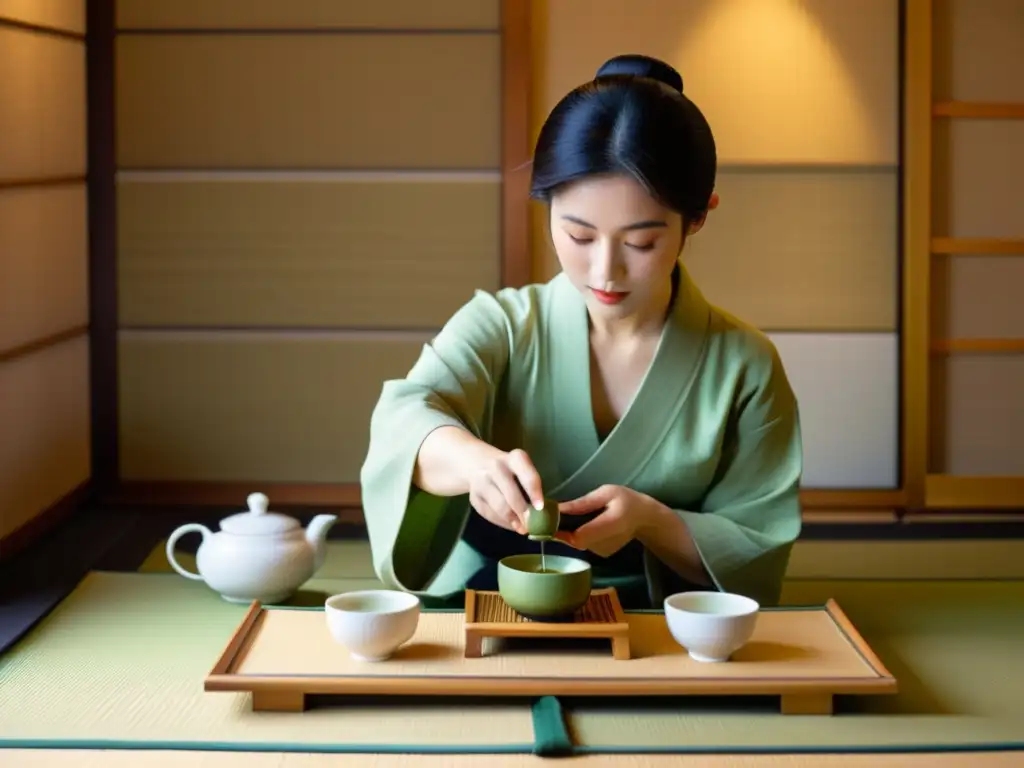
(631, 118)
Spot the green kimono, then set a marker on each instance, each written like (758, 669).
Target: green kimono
(713, 433)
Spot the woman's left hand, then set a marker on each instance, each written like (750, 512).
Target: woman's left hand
(623, 513)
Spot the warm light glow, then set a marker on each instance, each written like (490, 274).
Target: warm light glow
(776, 57)
(782, 81)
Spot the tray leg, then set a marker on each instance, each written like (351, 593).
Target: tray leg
(620, 648)
(474, 645)
(807, 704)
(278, 701)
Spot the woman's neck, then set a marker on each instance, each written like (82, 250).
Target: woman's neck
(639, 325)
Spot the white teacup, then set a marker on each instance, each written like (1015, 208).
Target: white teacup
(711, 626)
(373, 623)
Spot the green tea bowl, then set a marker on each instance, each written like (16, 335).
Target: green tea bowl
(554, 594)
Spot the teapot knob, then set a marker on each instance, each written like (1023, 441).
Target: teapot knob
(258, 503)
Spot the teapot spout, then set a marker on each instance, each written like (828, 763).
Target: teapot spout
(316, 535)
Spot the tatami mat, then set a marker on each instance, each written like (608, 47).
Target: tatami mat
(123, 659)
(954, 647)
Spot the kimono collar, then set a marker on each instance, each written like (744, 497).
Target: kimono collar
(586, 461)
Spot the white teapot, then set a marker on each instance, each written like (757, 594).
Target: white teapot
(256, 555)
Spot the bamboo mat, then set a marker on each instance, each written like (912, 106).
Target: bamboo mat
(122, 661)
(98, 759)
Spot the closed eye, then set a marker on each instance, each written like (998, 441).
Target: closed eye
(586, 240)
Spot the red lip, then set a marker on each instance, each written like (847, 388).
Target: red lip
(609, 298)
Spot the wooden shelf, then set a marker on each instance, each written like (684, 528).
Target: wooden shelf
(979, 110)
(965, 492)
(983, 346)
(233, 494)
(853, 499)
(978, 246)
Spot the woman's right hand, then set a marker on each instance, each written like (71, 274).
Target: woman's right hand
(503, 486)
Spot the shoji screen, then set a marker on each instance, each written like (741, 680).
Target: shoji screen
(305, 192)
(803, 99)
(977, 285)
(44, 313)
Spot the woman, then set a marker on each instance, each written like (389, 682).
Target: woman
(665, 427)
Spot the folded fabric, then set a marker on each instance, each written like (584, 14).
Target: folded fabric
(550, 736)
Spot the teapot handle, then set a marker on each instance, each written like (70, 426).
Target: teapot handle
(173, 539)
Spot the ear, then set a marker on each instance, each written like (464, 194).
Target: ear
(697, 225)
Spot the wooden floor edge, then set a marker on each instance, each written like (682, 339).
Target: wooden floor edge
(46, 521)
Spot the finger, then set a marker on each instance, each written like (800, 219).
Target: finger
(568, 537)
(484, 510)
(505, 514)
(595, 500)
(591, 534)
(505, 482)
(528, 476)
(490, 505)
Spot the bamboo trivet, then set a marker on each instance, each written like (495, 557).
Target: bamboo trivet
(488, 615)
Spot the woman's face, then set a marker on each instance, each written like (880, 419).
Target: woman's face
(617, 244)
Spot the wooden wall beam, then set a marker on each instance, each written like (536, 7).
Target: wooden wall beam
(915, 203)
(516, 261)
(102, 192)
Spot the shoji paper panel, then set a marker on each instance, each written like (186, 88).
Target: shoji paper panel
(244, 406)
(978, 297)
(848, 390)
(978, 50)
(385, 251)
(793, 250)
(275, 14)
(978, 415)
(68, 15)
(781, 81)
(44, 424)
(309, 101)
(42, 105)
(43, 263)
(979, 167)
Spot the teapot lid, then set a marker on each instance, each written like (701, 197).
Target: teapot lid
(258, 521)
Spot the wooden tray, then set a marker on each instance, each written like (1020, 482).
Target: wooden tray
(487, 615)
(804, 655)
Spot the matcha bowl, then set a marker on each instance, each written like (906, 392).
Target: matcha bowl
(552, 594)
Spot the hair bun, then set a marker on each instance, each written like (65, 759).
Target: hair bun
(639, 65)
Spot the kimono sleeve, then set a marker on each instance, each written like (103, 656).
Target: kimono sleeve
(751, 514)
(452, 383)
